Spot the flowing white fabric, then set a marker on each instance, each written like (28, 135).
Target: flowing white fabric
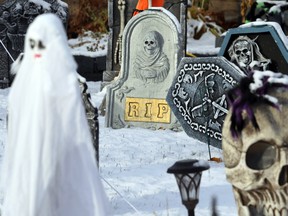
(49, 166)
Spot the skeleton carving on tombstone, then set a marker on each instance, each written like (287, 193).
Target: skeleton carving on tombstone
(246, 54)
(255, 147)
(212, 106)
(151, 64)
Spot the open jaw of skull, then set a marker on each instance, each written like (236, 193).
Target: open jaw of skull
(256, 163)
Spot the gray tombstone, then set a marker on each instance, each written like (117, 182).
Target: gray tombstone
(151, 51)
(197, 96)
(15, 17)
(120, 12)
(258, 45)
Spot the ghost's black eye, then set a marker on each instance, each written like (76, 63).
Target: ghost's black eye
(41, 45)
(32, 43)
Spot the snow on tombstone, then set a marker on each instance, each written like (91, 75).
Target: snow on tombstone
(49, 166)
(198, 98)
(15, 17)
(151, 52)
(257, 45)
(120, 13)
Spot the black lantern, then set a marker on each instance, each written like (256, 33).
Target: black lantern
(188, 176)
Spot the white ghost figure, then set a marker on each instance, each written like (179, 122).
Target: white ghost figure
(49, 166)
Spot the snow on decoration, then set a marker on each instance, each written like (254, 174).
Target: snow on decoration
(253, 89)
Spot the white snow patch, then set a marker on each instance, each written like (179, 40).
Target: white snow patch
(89, 45)
(134, 161)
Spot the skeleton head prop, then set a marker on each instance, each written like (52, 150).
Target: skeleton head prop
(246, 53)
(256, 163)
(243, 52)
(151, 42)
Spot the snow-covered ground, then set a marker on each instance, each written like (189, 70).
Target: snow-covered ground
(89, 44)
(93, 45)
(134, 161)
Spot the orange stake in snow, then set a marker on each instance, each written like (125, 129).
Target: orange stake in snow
(143, 5)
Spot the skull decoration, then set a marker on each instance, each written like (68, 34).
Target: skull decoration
(243, 52)
(256, 163)
(151, 42)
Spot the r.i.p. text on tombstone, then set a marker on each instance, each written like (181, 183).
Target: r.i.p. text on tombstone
(150, 54)
(198, 99)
